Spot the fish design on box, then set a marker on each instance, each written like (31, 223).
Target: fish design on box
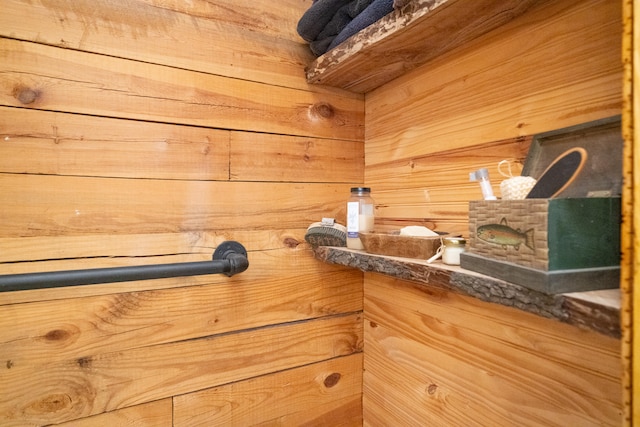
(503, 235)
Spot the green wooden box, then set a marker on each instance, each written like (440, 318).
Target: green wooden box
(550, 245)
(565, 244)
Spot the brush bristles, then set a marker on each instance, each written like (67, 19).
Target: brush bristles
(325, 236)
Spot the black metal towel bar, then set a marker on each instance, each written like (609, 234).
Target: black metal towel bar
(229, 258)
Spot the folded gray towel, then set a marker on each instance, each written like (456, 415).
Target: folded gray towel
(376, 10)
(340, 20)
(316, 18)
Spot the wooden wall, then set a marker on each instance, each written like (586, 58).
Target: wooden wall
(149, 131)
(558, 65)
(434, 358)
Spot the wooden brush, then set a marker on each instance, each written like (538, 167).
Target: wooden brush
(326, 233)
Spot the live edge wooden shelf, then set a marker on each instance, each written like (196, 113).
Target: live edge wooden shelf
(403, 40)
(595, 310)
(407, 38)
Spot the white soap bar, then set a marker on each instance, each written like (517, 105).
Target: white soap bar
(417, 231)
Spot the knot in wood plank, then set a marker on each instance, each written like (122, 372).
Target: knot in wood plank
(26, 95)
(332, 380)
(322, 110)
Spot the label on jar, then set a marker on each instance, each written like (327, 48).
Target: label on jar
(353, 220)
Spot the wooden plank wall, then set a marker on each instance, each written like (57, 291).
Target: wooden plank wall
(150, 131)
(464, 362)
(556, 66)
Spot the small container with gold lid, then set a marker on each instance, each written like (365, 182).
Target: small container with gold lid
(453, 247)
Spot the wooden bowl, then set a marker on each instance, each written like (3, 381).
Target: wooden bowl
(393, 244)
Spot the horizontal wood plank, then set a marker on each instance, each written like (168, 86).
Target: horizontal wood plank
(264, 157)
(33, 205)
(325, 393)
(158, 413)
(455, 227)
(427, 210)
(473, 363)
(56, 79)
(450, 168)
(224, 37)
(95, 383)
(42, 142)
(425, 213)
(434, 198)
(124, 248)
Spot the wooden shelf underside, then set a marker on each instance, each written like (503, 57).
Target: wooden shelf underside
(408, 38)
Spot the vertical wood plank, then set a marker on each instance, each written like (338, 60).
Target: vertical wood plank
(629, 238)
